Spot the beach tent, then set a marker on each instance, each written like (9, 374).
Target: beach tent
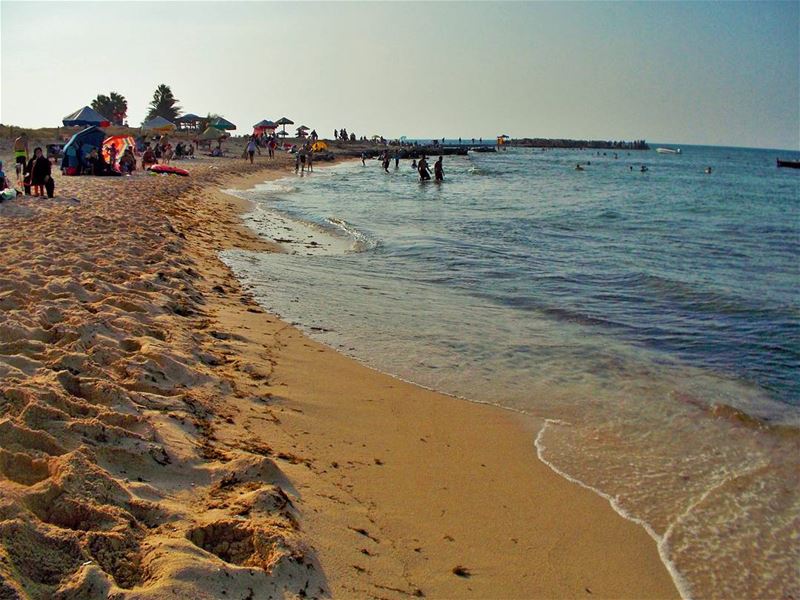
(85, 117)
(80, 145)
(122, 142)
(220, 123)
(159, 124)
(319, 146)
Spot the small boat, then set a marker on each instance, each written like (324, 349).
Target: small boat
(668, 150)
(792, 164)
(482, 149)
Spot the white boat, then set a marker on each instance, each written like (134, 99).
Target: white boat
(668, 150)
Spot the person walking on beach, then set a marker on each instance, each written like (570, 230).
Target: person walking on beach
(302, 162)
(335, 134)
(251, 148)
(296, 163)
(310, 161)
(39, 171)
(438, 169)
(397, 159)
(423, 170)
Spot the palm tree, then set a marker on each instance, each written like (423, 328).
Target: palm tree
(164, 104)
(114, 107)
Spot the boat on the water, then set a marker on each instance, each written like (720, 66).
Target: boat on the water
(668, 150)
(792, 164)
(483, 149)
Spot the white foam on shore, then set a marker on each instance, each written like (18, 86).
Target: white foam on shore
(294, 235)
(661, 541)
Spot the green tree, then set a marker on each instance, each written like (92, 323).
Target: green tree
(164, 104)
(114, 107)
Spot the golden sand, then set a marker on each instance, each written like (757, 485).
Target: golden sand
(163, 437)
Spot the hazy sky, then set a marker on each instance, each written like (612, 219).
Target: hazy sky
(686, 72)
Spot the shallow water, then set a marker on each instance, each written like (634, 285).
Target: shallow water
(652, 318)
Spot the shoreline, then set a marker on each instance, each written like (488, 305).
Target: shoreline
(533, 437)
(166, 437)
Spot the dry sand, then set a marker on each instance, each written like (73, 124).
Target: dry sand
(163, 437)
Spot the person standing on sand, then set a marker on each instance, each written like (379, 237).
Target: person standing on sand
(21, 153)
(112, 155)
(310, 161)
(39, 169)
(438, 169)
(364, 158)
(397, 159)
(335, 134)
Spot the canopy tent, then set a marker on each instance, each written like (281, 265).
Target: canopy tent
(264, 126)
(319, 146)
(85, 117)
(212, 133)
(222, 123)
(284, 121)
(159, 124)
(122, 142)
(79, 146)
(188, 122)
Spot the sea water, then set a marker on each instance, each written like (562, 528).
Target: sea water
(651, 319)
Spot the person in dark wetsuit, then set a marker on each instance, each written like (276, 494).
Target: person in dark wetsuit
(438, 169)
(423, 170)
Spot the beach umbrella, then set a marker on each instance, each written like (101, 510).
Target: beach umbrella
(284, 121)
(85, 117)
(221, 123)
(265, 124)
(189, 119)
(159, 124)
(212, 133)
(303, 128)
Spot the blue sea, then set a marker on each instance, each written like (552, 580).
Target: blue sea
(650, 319)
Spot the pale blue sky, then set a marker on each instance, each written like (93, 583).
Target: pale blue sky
(688, 72)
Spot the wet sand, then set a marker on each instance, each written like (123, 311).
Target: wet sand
(164, 437)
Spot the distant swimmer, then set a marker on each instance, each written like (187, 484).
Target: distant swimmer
(708, 170)
(644, 169)
(423, 170)
(438, 169)
(578, 167)
(414, 164)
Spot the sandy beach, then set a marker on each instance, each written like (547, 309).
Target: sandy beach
(163, 436)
